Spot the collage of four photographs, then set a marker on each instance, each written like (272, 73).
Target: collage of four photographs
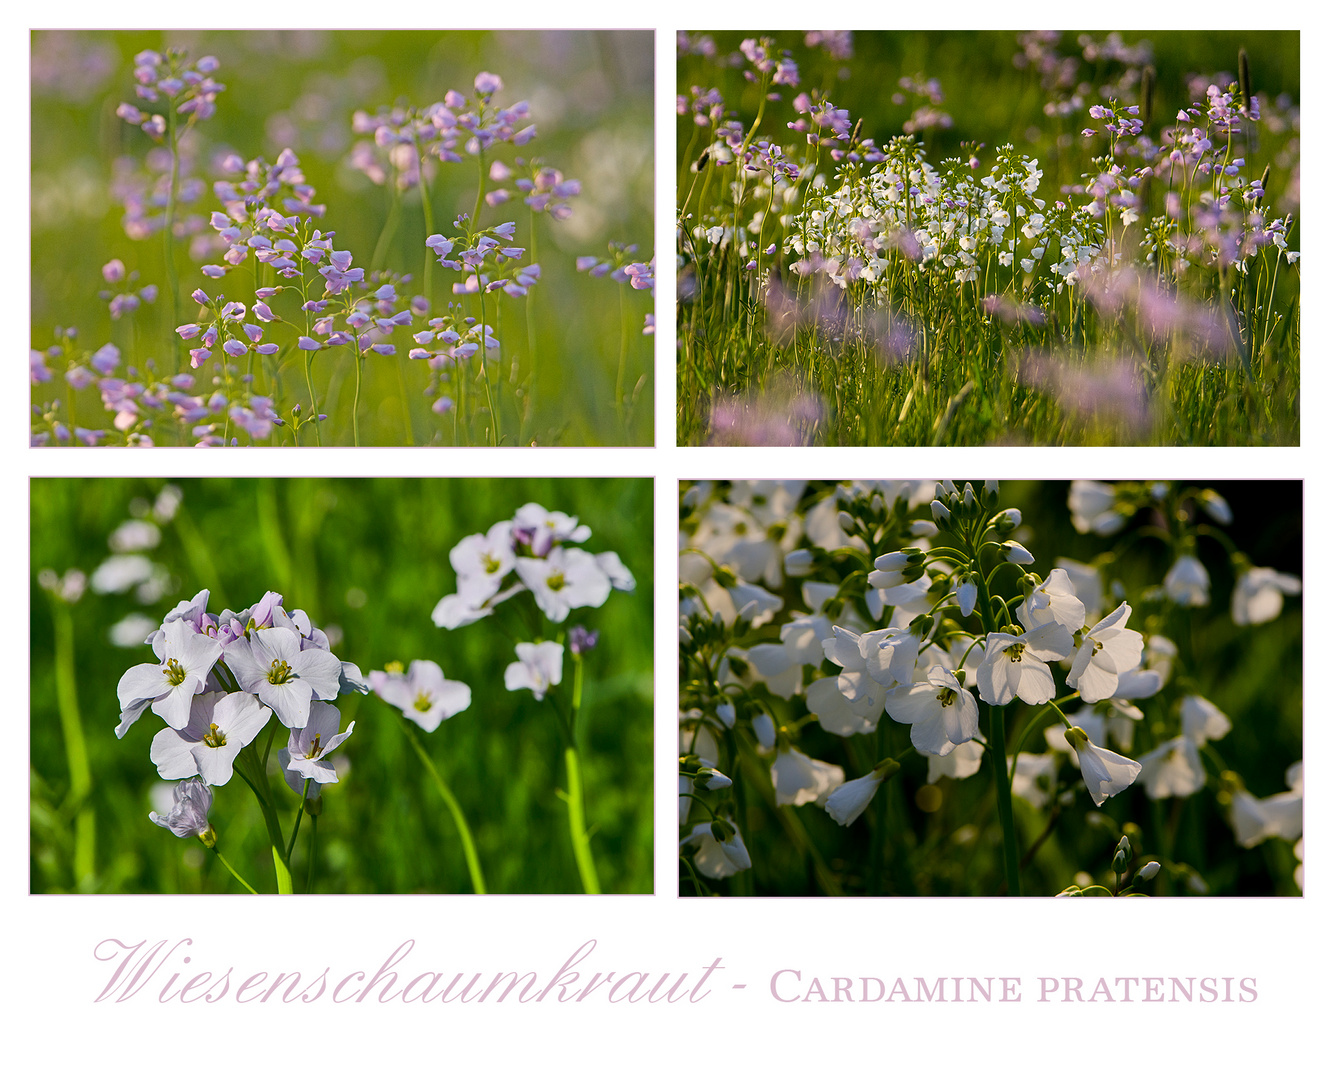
(446, 242)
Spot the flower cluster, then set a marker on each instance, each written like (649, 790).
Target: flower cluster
(916, 602)
(217, 682)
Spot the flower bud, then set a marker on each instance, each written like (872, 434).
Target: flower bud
(1146, 873)
(1017, 553)
(940, 514)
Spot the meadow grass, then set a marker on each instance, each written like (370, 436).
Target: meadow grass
(571, 366)
(956, 261)
(368, 559)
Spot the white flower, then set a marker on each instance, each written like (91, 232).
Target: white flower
(1105, 773)
(941, 714)
(1088, 585)
(1033, 778)
(1091, 504)
(220, 726)
(1055, 600)
(753, 603)
(1202, 720)
(847, 802)
(569, 578)
(1106, 649)
(889, 655)
(305, 755)
(800, 779)
(965, 760)
(481, 561)
(186, 657)
(1017, 553)
(422, 693)
(1172, 770)
(272, 664)
(714, 858)
(1257, 820)
(1016, 666)
(538, 667)
(1188, 582)
(1258, 595)
(542, 529)
(841, 715)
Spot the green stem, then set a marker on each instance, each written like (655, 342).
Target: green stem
(997, 751)
(313, 837)
(76, 749)
(258, 784)
(222, 859)
(454, 808)
(581, 842)
(355, 405)
(295, 829)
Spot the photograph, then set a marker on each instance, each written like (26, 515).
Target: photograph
(341, 686)
(955, 688)
(989, 238)
(342, 238)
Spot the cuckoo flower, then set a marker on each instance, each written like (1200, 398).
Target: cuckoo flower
(220, 726)
(272, 664)
(537, 668)
(941, 714)
(1107, 650)
(189, 814)
(169, 687)
(305, 755)
(422, 693)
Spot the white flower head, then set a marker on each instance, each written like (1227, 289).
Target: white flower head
(800, 779)
(1187, 583)
(715, 858)
(1017, 666)
(482, 561)
(1172, 770)
(1055, 600)
(421, 693)
(286, 677)
(1202, 720)
(1258, 595)
(1105, 773)
(220, 726)
(569, 578)
(538, 667)
(1107, 650)
(1092, 507)
(941, 714)
(186, 658)
(305, 755)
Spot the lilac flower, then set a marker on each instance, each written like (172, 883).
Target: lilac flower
(186, 658)
(189, 814)
(272, 664)
(305, 755)
(538, 667)
(581, 640)
(422, 693)
(220, 726)
(568, 578)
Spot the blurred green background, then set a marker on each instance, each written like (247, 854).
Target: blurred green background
(591, 96)
(367, 559)
(988, 97)
(944, 840)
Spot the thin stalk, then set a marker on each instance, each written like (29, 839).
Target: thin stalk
(454, 808)
(234, 873)
(581, 841)
(313, 838)
(263, 793)
(997, 752)
(76, 749)
(355, 405)
(295, 829)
